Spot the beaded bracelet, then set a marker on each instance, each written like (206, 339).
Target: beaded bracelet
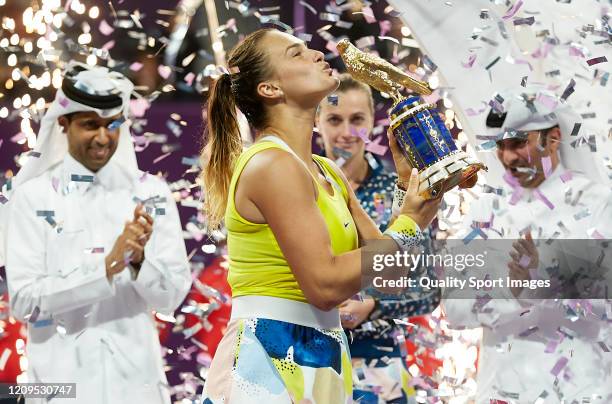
(398, 200)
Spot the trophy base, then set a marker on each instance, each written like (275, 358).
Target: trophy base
(455, 169)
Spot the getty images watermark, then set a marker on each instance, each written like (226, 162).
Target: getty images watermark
(572, 269)
(405, 262)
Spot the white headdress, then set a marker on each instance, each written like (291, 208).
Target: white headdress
(84, 89)
(535, 108)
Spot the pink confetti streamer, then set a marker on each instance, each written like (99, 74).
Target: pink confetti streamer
(551, 347)
(548, 101)
(383, 122)
(385, 26)
(109, 45)
(524, 261)
(361, 134)
(160, 158)
(544, 199)
(331, 46)
(474, 112)
(594, 61)
(510, 180)
(559, 366)
(593, 233)
(55, 183)
(164, 71)
(576, 51)
(136, 66)
(18, 137)
(104, 28)
(368, 14)
(189, 78)
(513, 10)
(542, 51)
(64, 102)
(566, 176)
(547, 166)
(1, 141)
(470, 61)
(432, 98)
(376, 148)
(516, 196)
(139, 106)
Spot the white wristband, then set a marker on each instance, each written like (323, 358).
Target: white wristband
(398, 200)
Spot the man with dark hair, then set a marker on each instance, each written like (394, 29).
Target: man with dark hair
(552, 350)
(93, 245)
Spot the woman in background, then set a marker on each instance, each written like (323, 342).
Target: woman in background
(378, 344)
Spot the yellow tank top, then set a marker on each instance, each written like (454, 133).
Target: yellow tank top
(257, 265)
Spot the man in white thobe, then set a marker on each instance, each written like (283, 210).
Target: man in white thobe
(93, 247)
(539, 350)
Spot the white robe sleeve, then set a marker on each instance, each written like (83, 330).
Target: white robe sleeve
(164, 277)
(461, 310)
(31, 283)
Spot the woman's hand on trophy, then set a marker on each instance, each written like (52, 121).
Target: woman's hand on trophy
(421, 210)
(402, 166)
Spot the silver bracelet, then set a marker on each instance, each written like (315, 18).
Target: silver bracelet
(398, 200)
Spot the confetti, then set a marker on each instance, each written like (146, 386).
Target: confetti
(4, 358)
(33, 317)
(329, 17)
(333, 99)
(597, 60)
(64, 102)
(429, 64)
(309, 7)
(365, 42)
(566, 176)
(190, 161)
(160, 158)
(582, 214)
(164, 71)
(361, 133)
(388, 38)
(489, 41)
(561, 363)
(529, 331)
(136, 66)
(43, 323)
(490, 65)
(568, 90)
(513, 10)
(104, 28)
(470, 61)
(338, 152)
(81, 178)
(524, 21)
(190, 332)
(376, 148)
(546, 166)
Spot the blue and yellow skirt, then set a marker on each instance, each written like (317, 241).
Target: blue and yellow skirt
(280, 351)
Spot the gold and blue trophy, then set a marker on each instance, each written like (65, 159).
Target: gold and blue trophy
(420, 132)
